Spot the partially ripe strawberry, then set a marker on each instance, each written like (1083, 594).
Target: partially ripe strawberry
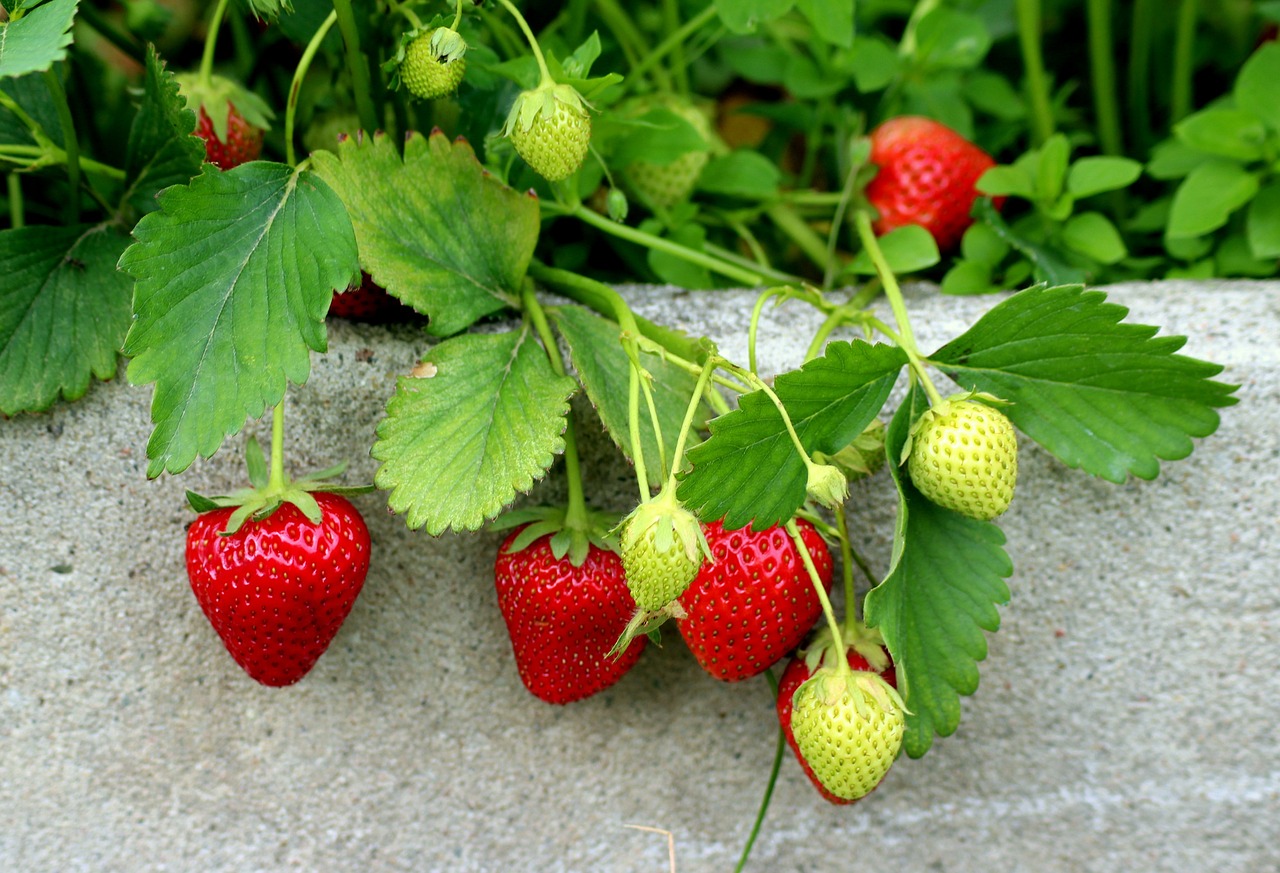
(964, 457)
(277, 590)
(848, 727)
(229, 118)
(367, 301)
(433, 64)
(563, 620)
(753, 601)
(863, 654)
(662, 546)
(550, 128)
(666, 185)
(927, 173)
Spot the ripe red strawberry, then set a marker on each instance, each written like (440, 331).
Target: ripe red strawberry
(277, 590)
(242, 143)
(799, 670)
(753, 601)
(367, 301)
(563, 620)
(927, 174)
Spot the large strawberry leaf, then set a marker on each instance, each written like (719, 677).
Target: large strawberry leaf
(162, 150)
(37, 40)
(31, 94)
(435, 229)
(234, 277)
(1100, 394)
(64, 310)
(748, 470)
(605, 371)
(947, 578)
(481, 418)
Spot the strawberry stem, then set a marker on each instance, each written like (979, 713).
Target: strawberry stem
(17, 211)
(1183, 61)
(295, 87)
(778, 752)
(671, 23)
(846, 568)
(631, 41)
(276, 482)
(704, 379)
(211, 42)
(673, 42)
(842, 661)
(1103, 75)
(357, 65)
(457, 17)
(546, 80)
(1033, 61)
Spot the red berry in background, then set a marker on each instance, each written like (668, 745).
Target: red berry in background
(927, 173)
(755, 602)
(792, 678)
(277, 590)
(368, 301)
(563, 620)
(243, 141)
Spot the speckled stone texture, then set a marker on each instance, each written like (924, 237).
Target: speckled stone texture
(1126, 719)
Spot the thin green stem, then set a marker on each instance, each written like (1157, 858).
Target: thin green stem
(907, 45)
(407, 11)
(546, 79)
(357, 65)
(633, 429)
(276, 483)
(634, 46)
(846, 567)
(88, 165)
(575, 516)
(775, 276)
(1139, 108)
(829, 324)
(778, 752)
(695, 401)
(671, 23)
(304, 64)
(842, 662)
(814, 246)
(1103, 72)
(1183, 61)
(1033, 62)
(457, 16)
(17, 212)
(837, 221)
(70, 144)
(748, 278)
(674, 42)
(211, 41)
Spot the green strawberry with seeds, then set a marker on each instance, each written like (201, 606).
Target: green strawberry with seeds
(963, 455)
(848, 728)
(550, 128)
(662, 547)
(664, 186)
(433, 64)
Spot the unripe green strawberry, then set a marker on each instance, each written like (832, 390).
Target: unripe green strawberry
(848, 728)
(666, 185)
(550, 128)
(433, 64)
(662, 546)
(964, 457)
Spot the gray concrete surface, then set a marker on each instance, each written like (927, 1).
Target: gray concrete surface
(1127, 718)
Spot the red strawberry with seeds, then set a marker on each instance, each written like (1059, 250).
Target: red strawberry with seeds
(229, 118)
(927, 173)
(864, 653)
(367, 301)
(564, 619)
(277, 590)
(753, 602)
(241, 144)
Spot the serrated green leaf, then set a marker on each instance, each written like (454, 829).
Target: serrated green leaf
(605, 372)
(1050, 266)
(748, 471)
(162, 150)
(1263, 222)
(64, 310)
(1227, 133)
(1094, 175)
(1093, 235)
(744, 16)
(37, 40)
(832, 20)
(907, 249)
(435, 229)
(941, 595)
(1255, 88)
(1102, 395)
(234, 276)
(1207, 197)
(458, 446)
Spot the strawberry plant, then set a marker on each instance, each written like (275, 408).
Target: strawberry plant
(466, 158)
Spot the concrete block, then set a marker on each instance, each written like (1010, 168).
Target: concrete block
(1126, 719)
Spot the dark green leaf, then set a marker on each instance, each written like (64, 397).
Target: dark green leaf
(742, 173)
(1263, 222)
(162, 150)
(673, 269)
(605, 371)
(1093, 175)
(806, 81)
(31, 93)
(941, 595)
(744, 16)
(1255, 88)
(459, 444)
(1207, 197)
(832, 19)
(234, 276)
(434, 229)
(991, 93)
(64, 310)
(37, 40)
(748, 471)
(1050, 266)
(1100, 394)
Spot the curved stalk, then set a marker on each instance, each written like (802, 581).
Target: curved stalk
(1033, 61)
(357, 65)
(778, 752)
(211, 42)
(295, 87)
(545, 73)
(1183, 61)
(1103, 74)
(842, 661)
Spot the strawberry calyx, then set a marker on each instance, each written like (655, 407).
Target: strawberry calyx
(569, 536)
(862, 688)
(865, 641)
(217, 95)
(942, 409)
(259, 501)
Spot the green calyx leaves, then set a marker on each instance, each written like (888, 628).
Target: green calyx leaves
(568, 536)
(217, 94)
